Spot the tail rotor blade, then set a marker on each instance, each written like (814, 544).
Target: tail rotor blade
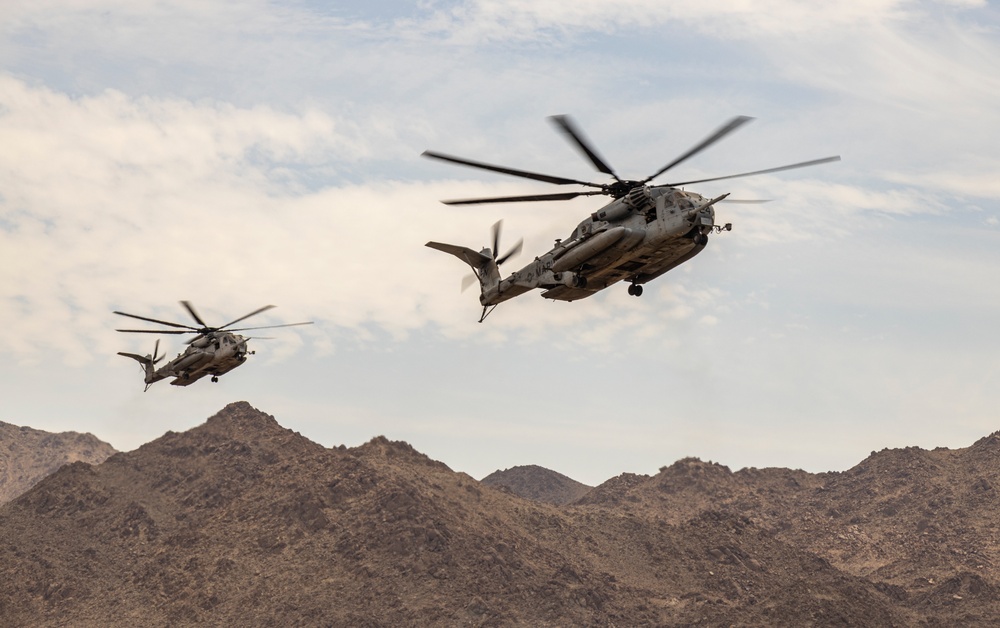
(497, 228)
(512, 252)
(468, 280)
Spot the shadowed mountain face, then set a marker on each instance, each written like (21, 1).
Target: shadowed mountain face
(539, 484)
(921, 525)
(242, 522)
(27, 455)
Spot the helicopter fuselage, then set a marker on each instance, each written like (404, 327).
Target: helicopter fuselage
(644, 232)
(635, 238)
(213, 351)
(214, 354)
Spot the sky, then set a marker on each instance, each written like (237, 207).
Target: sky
(239, 154)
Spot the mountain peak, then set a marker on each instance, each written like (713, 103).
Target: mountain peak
(240, 417)
(538, 483)
(991, 442)
(27, 455)
(398, 451)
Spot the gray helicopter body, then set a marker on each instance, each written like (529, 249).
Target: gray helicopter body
(636, 238)
(641, 234)
(215, 354)
(213, 351)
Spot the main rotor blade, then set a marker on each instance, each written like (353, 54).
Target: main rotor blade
(158, 331)
(804, 164)
(511, 171)
(153, 320)
(563, 196)
(511, 253)
(570, 129)
(271, 326)
(246, 316)
(717, 135)
(190, 308)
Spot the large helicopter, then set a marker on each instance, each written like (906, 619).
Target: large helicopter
(213, 351)
(641, 234)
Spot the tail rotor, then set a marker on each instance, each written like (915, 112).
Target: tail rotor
(147, 362)
(514, 250)
(482, 274)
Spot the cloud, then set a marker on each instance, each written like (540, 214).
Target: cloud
(115, 202)
(496, 20)
(127, 202)
(267, 152)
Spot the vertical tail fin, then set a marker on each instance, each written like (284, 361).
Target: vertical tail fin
(484, 267)
(147, 362)
(485, 264)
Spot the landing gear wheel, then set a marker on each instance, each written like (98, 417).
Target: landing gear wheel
(631, 289)
(701, 239)
(635, 290)
(215, 378)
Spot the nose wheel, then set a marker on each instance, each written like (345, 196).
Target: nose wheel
(215, 378)
(635, 290)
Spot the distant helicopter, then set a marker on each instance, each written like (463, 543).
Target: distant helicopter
(641, 234)
(213, 351)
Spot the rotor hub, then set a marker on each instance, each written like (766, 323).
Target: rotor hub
(618, 189)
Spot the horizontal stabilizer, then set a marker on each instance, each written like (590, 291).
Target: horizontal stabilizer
(141, 359)
(467, 255)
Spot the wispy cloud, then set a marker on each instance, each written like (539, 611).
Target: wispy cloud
(268, 152)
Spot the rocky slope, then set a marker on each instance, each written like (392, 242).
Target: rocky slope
(27, 455)
(923, 526)
(242, 522)
(539, 484)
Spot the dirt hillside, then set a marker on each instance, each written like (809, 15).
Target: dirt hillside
(923, 526)
(27, 455)
(539, 484)
(242, 522)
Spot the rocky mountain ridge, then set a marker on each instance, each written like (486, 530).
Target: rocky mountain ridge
(539, 484)
(242, 522)
(27, 455)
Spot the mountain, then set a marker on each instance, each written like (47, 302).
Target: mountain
(539, 484)
(921, 525)
(27, 455)
(240, 521)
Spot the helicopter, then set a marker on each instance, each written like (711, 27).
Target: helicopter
(213, 351)
(645, 231)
